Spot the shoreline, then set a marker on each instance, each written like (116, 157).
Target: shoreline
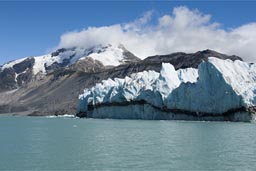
(24, 113)
(132, 112)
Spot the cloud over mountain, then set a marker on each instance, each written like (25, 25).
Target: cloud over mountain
(186, 30)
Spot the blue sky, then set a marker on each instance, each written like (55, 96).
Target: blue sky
(32, 28)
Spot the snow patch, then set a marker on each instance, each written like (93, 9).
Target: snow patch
(12, 63)
(113, 56)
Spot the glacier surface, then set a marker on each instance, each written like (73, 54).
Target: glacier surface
(217, 88)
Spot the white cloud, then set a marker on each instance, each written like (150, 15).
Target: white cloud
(140, 22)
(184, 30)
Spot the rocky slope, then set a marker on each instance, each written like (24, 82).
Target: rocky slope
(50, 84)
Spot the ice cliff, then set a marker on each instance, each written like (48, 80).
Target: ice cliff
(217, 90)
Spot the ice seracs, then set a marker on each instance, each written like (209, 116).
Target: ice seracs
(217, 90)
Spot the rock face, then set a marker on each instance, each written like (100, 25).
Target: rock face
(48, 88)
(217, 90)
(183, 60)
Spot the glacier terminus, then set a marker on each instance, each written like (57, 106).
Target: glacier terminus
(219, 90)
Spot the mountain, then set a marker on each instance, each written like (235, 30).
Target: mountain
(19, 72)
(51, 84)
(220, 89)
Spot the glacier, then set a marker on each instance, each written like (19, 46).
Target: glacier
(218, 90)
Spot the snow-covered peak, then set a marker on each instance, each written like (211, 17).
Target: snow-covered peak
(108, 55)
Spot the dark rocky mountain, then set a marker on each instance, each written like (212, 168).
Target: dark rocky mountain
(56, 92)
(13, 77)
(183, 60)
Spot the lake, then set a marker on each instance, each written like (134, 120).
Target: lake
(40, 143)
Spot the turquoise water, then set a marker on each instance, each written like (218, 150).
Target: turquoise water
(37, 143)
